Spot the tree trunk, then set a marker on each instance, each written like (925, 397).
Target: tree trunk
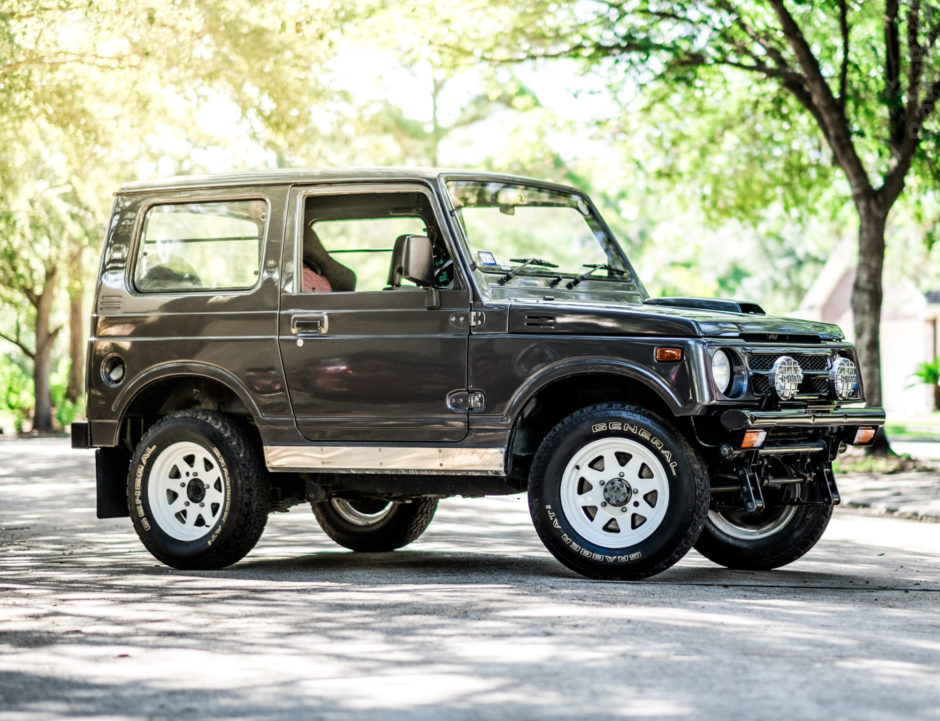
(76, 347)
(42, 360)
(42, 413)
(42, 363)
(867, 299)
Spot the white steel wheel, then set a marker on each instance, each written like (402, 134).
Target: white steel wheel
(362, 512)
(614, 492)
(186, 493)
(752, 527)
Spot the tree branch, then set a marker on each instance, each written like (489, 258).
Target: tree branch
(803, 96)
(773, 52)
(896, 130)
(50, 340)
(844, 69)
(110, 62)
(19, 344)
(932, 36)
(830, 115)
(916, 66)
(894, 180)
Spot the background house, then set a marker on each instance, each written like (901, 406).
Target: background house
(910, 330)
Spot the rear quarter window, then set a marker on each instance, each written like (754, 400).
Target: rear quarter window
(201, 246)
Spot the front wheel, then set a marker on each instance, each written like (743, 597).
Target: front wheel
(617, 493)
(760, 541)
(197, 490)
(374, 525)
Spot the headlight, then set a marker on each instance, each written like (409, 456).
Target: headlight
(843, 379)
(786, 376)
(721, 370)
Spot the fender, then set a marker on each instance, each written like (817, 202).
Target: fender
(571, 367)
(176, 369)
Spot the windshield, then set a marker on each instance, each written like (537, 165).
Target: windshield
(550, 241)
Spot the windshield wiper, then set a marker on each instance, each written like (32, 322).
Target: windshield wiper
(526, 262)
(592, 269)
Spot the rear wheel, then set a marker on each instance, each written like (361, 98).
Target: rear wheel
(197, 491)
(615, 492)
(760, 541)
(373, 524)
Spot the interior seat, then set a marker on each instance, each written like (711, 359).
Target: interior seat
(342, 279)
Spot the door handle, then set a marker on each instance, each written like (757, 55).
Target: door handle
(309, 324)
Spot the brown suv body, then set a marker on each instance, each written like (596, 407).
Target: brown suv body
(449, 376)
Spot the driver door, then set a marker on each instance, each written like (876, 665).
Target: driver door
(373, 363)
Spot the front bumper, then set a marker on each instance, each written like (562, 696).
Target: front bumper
(81, 434)
(740, 420)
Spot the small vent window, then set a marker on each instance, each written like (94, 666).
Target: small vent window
(201, 246)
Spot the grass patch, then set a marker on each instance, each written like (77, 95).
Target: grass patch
(855, 460)
(925, 426)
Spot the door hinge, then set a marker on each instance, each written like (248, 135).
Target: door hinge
(462, 401)
(477, 319)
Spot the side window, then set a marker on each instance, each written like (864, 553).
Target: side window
(366, 245)
(349, 240)
(201, 246)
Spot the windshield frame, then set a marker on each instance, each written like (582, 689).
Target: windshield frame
(628, 288)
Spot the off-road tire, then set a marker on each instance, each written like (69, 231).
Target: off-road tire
(616, 492)
(369, 525)
(774, 537)
(183, 521)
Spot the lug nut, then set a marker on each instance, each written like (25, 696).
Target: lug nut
(603, 503)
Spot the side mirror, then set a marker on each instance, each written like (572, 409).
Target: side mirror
(417, 261)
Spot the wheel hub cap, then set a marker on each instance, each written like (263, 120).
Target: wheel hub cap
(616, 492)
(196, 491)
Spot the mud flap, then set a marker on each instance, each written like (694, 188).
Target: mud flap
(111, 466)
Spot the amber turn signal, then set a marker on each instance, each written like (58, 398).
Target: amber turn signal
(668, 355)
(864, 436)
(754, 439)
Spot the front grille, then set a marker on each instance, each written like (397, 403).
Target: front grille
(808, 361)
(815, 367)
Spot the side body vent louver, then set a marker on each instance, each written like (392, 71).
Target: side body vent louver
(540, 321)
(109, 303)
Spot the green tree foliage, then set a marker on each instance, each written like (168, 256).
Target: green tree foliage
(89, 91)
(835, 91)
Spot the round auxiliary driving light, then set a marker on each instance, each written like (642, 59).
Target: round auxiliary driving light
(786, 376)
(721, 370)
(843, 379)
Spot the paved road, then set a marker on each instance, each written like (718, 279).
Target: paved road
(473, 621)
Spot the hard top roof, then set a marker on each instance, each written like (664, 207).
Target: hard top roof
(316, 175)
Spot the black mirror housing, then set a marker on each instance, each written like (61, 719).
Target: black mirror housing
(417, 262)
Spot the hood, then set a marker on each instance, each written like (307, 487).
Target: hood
(585, 318)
